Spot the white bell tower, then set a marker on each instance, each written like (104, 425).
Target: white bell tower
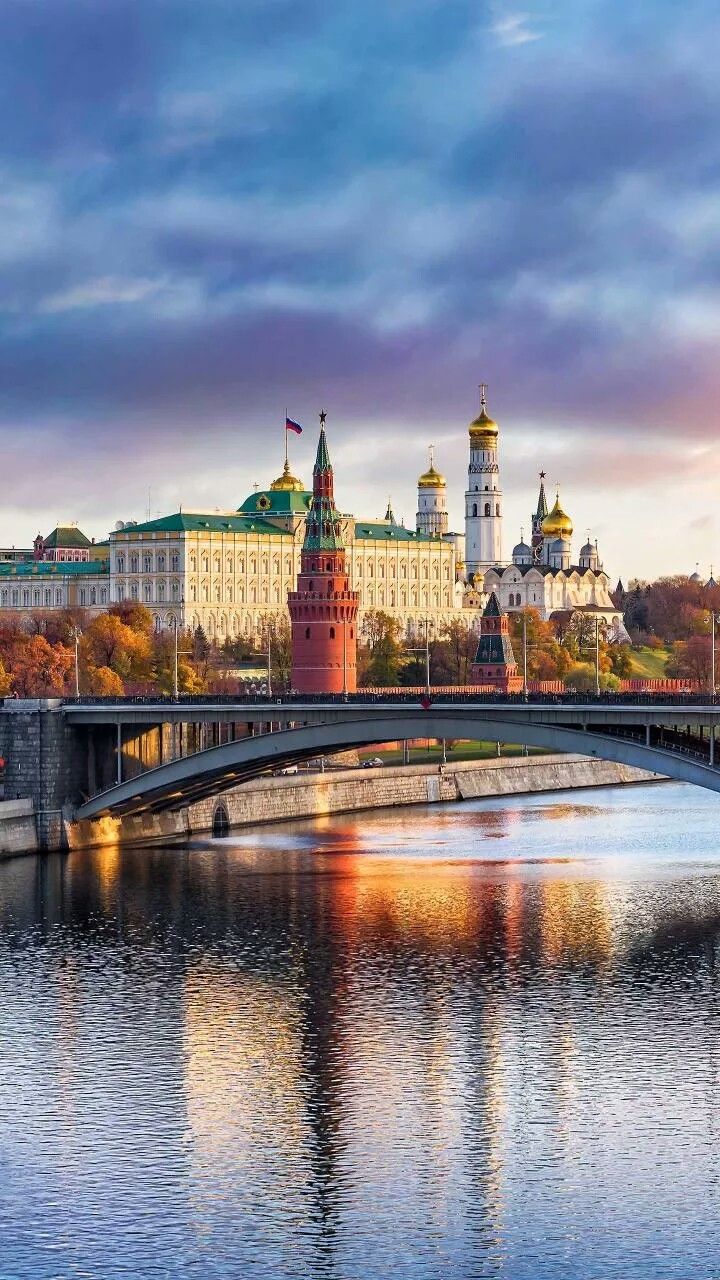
(483, 498)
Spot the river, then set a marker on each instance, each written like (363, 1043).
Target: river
(476, 1040)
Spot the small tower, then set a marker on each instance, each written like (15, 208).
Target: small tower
(494, 662)
(589, 556)
(537, 520)
(323, 609)
(432, 516)
(483, 497)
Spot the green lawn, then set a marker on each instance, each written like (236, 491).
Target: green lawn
(462, 751)
(648, 663)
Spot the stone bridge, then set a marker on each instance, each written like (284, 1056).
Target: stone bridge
(91, 758)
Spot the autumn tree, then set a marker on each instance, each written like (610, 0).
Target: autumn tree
(5, 681)
(39, 669)
(380, 652)
(278, 632)
(110, 642)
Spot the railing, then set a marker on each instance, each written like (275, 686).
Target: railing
(411, 696)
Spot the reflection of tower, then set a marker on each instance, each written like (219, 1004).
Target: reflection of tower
(537, 518)
(432, 516)
(323, 609)
(483, 499)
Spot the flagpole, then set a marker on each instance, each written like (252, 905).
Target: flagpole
(286, 452)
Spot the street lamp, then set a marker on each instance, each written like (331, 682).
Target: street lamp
(76, 634)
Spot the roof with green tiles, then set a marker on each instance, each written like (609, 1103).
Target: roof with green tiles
(66, 535)
(201, 522)
(214, 522)
(277, 502)
(54, 569)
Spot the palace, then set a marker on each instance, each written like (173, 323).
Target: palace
(230, 572)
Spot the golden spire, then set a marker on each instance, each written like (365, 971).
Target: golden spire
(483, 429)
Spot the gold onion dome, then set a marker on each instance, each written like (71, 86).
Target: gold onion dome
(557, 523)
(431, 479)
(288, 482)
(483, 428)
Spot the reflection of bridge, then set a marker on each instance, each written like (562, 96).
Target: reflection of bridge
(674, 737)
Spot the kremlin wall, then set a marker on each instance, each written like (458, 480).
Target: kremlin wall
(228, 571)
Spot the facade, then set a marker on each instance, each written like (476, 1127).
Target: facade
(323, 609)
(65, 545)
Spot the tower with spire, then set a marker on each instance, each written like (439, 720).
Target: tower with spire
(323, 609)
(483, 498)
(539, 514)
(432, 513)
(494, 663)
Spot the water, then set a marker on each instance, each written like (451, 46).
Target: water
(472, 1041)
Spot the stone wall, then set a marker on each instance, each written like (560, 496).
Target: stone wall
(342, 791)
(18, 833)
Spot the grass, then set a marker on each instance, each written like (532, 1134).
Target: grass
(433, 754)
(648, 663)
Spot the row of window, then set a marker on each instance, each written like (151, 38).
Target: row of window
(145, 564)
(38, 598)
(90, 596)
(146, 560)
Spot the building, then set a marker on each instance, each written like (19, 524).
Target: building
(483, 497)
(323, 609)
(542, 574)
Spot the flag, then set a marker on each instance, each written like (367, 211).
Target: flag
(293, 426)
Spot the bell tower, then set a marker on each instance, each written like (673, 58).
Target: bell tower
(483, 498)
(323, 609)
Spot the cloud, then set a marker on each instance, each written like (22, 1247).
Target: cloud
(514, 29)
(103, 292)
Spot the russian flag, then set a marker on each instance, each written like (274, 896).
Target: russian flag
(293, 426)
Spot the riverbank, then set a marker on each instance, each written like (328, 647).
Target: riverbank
(283, 799)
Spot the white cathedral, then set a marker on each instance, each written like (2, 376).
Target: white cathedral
(541, 575)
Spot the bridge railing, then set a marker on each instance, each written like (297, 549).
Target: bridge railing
(452, 695)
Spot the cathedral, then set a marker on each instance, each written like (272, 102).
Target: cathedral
(231, 571)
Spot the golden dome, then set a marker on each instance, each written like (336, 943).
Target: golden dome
(557, 523)
(288, 482)
(431, 479)
(483, 428)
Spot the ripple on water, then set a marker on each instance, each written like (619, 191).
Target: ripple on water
(469, 1041)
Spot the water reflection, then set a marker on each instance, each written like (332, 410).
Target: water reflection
(369, 1047)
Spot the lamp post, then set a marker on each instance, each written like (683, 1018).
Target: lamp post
(76, 634)
(597, 656)
(344, 654)
(269, 661)
(524, 625)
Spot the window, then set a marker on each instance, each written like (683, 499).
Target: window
(36, 597)
(103, 595)
(307, 633)
(93, 595)
(147, 592)
(161, 590)
(134, 564)
(205, 562)
(332, 633)
(121, 564)
(174, 590)
(193, 564)
(83, 596)
(487, 508)
(15, 596)
(4, 597)
(174, 562)
(134, 591)
(474, 508)
(26, 597)
(58, 596)
(161, 563)
(497, 508)
(147, 564)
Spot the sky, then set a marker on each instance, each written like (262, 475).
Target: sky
(212, 212)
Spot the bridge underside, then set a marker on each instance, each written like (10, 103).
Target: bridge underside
(185, 781)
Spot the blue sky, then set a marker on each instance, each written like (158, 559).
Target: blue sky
(212, 211)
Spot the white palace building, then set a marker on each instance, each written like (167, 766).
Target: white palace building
(227, 571)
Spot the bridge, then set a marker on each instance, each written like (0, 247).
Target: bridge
(673, 736)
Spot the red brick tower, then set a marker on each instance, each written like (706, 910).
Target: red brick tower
(495, 661)
(323, 609)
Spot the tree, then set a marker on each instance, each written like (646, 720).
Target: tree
(380, 654)
(5, 681)
(41, 670)
(133, 614)
(452, 655)
(691, 660)
(278, 631)
(110, 642)
(620, 656)
(103, 682)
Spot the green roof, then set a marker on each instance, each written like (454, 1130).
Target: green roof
(53, 569)
(66, 536)
(200, 522)
(277, 502)
(380, 529)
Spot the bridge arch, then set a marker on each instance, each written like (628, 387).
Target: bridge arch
(210, 772)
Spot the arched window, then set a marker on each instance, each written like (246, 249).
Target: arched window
(474, 508)
(307, 633)
(205, 562)
(332, 633)
(487, 508)
(497, 508)
(161, 563)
